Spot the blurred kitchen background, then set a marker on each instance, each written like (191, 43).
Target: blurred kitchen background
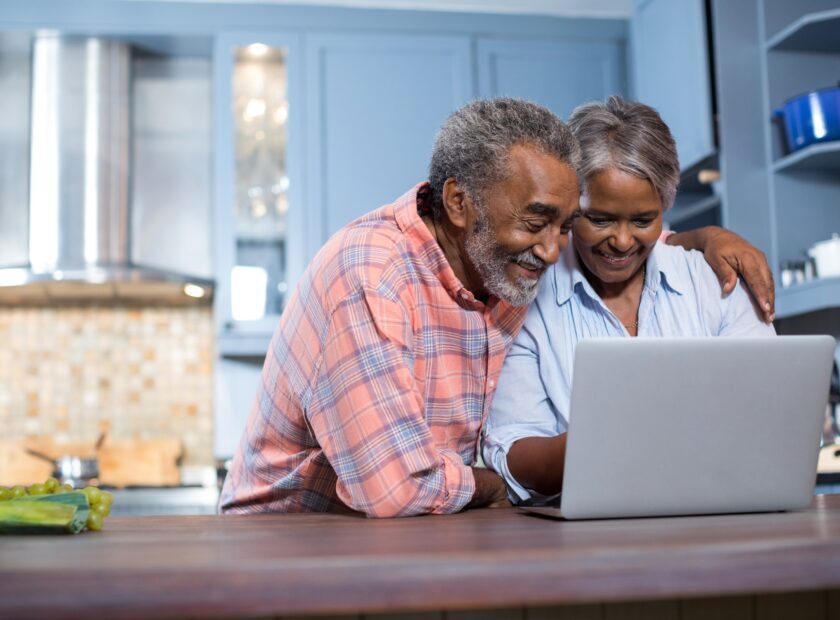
(168, 168)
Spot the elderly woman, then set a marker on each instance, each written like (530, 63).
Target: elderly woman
(613, 280)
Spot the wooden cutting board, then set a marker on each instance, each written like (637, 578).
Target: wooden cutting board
(122, 462)
(151, 462)
(19, 467)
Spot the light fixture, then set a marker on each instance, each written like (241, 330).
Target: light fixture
(194, 290)
(258, 50)
(254, 109)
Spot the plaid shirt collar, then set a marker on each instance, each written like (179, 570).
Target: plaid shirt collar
(408, 211)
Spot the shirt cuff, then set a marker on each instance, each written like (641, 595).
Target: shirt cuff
(459, 484)
(495, 447)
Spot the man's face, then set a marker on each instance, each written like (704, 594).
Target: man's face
(619, 227)
(522, 225)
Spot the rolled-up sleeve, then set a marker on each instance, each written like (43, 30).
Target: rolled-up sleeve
(369, 418)
(521, 408)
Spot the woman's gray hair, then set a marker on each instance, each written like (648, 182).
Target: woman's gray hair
(627, 136)
(473, 145)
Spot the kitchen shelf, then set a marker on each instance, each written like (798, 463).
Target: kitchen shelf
(813, 32)
(680, 213)
(825, 156)
(818, 294)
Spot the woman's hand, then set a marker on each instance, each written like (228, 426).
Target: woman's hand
(730, 256)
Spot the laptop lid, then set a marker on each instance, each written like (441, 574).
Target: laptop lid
(671, 426)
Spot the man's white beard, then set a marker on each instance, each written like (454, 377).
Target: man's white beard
(490, 261)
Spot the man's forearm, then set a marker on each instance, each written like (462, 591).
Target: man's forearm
(490, 489)
(537, 463)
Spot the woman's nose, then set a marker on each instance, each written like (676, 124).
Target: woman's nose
(622, 241)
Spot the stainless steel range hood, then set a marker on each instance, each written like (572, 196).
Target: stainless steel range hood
(79, 217)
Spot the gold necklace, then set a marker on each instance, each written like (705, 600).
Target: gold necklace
(635, 324)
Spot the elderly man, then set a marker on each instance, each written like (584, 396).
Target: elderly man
(385, 360)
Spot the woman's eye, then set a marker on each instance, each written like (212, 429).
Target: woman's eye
(598, 221)
(642, 223)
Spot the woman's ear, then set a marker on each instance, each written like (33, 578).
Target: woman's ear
(456, 203)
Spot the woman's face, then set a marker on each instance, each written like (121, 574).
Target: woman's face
(619, 227)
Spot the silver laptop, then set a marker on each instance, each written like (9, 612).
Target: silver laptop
(678, 426)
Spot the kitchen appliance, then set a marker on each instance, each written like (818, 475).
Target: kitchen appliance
(811, 117)
(80, 241)
(826, 255)
(76, 470)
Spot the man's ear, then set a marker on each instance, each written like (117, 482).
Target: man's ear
(456, 204)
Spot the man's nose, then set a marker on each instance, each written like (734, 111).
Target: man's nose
(553, 242)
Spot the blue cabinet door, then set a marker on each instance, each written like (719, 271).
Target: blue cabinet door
(557, 74)
(377, 101)
(671, 71)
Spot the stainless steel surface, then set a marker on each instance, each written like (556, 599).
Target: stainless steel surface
(199, 500)
(15, 72)
(76, 470)
(79, 217)
(79, 164)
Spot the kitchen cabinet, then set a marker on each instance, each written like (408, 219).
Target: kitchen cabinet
(15, 71)
(670, 57)
(557, 74)
(377, 101)
(769, 51)
(260, 224)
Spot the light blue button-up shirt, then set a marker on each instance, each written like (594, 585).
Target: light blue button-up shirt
(681, 298)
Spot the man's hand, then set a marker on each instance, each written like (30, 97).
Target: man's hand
(730, 256)
(490, 490)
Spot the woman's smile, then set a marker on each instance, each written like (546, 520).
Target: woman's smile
(615, 260)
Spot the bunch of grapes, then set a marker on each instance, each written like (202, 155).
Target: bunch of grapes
(99, 501)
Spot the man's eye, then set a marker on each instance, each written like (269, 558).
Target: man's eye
(535, 226)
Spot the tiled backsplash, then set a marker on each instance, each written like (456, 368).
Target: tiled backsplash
(148, 371)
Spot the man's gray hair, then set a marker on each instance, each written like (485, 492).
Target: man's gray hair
(473, 145)
(627, 136)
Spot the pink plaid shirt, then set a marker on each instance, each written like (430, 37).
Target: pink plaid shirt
(377, 380)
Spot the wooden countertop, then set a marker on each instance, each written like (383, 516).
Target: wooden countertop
(317, 563)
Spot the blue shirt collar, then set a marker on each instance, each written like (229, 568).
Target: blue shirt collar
(660, 270)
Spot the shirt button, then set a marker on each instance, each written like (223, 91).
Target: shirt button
(492, 383)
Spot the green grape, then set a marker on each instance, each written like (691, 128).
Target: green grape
(93, 495)
(37, 489)
(5, 494)
(106, 497)
(94, 521)
(64, 488)
(101, 508)
(51, 485)
(18, 491)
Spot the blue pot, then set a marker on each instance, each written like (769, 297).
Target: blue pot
(811, 117)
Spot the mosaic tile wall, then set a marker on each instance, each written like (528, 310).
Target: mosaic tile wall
(148, 371)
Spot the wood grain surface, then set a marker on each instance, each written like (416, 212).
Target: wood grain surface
(221, 566)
